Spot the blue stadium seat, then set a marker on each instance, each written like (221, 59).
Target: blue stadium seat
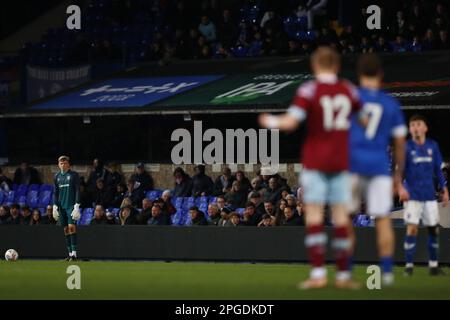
(45, 198)
(240, 211)
(201, 200)
(203, 207)
(9, 198)
(154, 194)
(213, 200)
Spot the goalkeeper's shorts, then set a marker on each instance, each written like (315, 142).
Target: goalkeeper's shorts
(65, 217)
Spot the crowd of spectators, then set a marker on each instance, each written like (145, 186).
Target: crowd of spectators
(210, 29)
(266, 200)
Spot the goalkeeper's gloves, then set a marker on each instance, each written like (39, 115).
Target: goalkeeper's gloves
(76, 214)
(55, 212)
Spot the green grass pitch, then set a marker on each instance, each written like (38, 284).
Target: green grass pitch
(26, 279)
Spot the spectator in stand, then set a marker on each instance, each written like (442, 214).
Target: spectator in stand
(234, 221)
(134, 192)
(443, 42)
(382, 45)
(14, 217)
(399, 45)
(26, 174)
(197, 217)
(85, 195)
(115, 176)
(111, 218)
(236, 197)
(251, 216)
(158, 217)
(213, 214)
(208, 29)
(279, 212)
(5, 182)
(143, 177)
(146, 212)
(227, 30)
(256, 199)
(35, 218)
(102, 194)
(256, 186)
(399, 26)
(223, 182)
(126, 216)
(290, 218)
(244, 182)
(202, 185)
(4, 214)
(121, 191)
(269, 208)
(183, 183)
(429, 42)
(166, 203)
(98, 172)
(415, 45)
(48, 218)
(267, 221)
(273, 192)
(26, 215)
(99, 216)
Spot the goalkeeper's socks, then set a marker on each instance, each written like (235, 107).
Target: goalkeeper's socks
(410, 249)
(69, 243)
(73, 242)
(74, 254)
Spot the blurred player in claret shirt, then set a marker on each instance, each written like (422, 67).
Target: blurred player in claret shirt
(326, 105)
(369, 157)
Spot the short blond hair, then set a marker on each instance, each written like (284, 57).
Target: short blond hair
(64, 159)
(326, 57)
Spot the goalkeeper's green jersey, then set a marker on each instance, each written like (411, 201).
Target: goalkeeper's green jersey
(67, 189)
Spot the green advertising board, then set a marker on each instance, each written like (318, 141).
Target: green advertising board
(248, 89)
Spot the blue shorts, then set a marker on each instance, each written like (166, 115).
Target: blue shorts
(321, 188)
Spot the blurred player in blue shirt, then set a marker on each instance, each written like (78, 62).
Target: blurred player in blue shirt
(370, 161)
(422, 168)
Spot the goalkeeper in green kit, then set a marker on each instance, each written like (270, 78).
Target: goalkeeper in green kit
(66, 204)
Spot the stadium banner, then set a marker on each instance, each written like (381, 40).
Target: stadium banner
(44, 82)
(250, 89)
(126, 93)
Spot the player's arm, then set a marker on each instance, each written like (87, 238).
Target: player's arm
(437, 166)
(296, 113)
(284, 122)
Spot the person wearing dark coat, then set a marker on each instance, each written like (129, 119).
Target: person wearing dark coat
(99, 216)
(183, 184)
(244, 181)
(114, 176)
(99, 172)
(121, 190)
(26, 215)
(197, 217)
(126, 216)
(236, 197)
(291, 217)
(4, 214)
(14, 216)
(26, 174)
(202, 185)
(102, 194)
(273, 191)
(251, 216)
(48, 218)
(143, 177)
(158, 217)
(136, 194)
(223, 182)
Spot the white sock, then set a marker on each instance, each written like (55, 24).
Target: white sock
(343, 275)
(74, 254)
(409, 265)
(318, 273)
(432, 264)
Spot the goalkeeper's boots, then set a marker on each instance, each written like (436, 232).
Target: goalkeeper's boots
(73, 259)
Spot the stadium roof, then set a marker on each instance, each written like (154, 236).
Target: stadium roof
(419, 80)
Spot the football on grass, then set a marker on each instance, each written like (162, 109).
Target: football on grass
(11, 255)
